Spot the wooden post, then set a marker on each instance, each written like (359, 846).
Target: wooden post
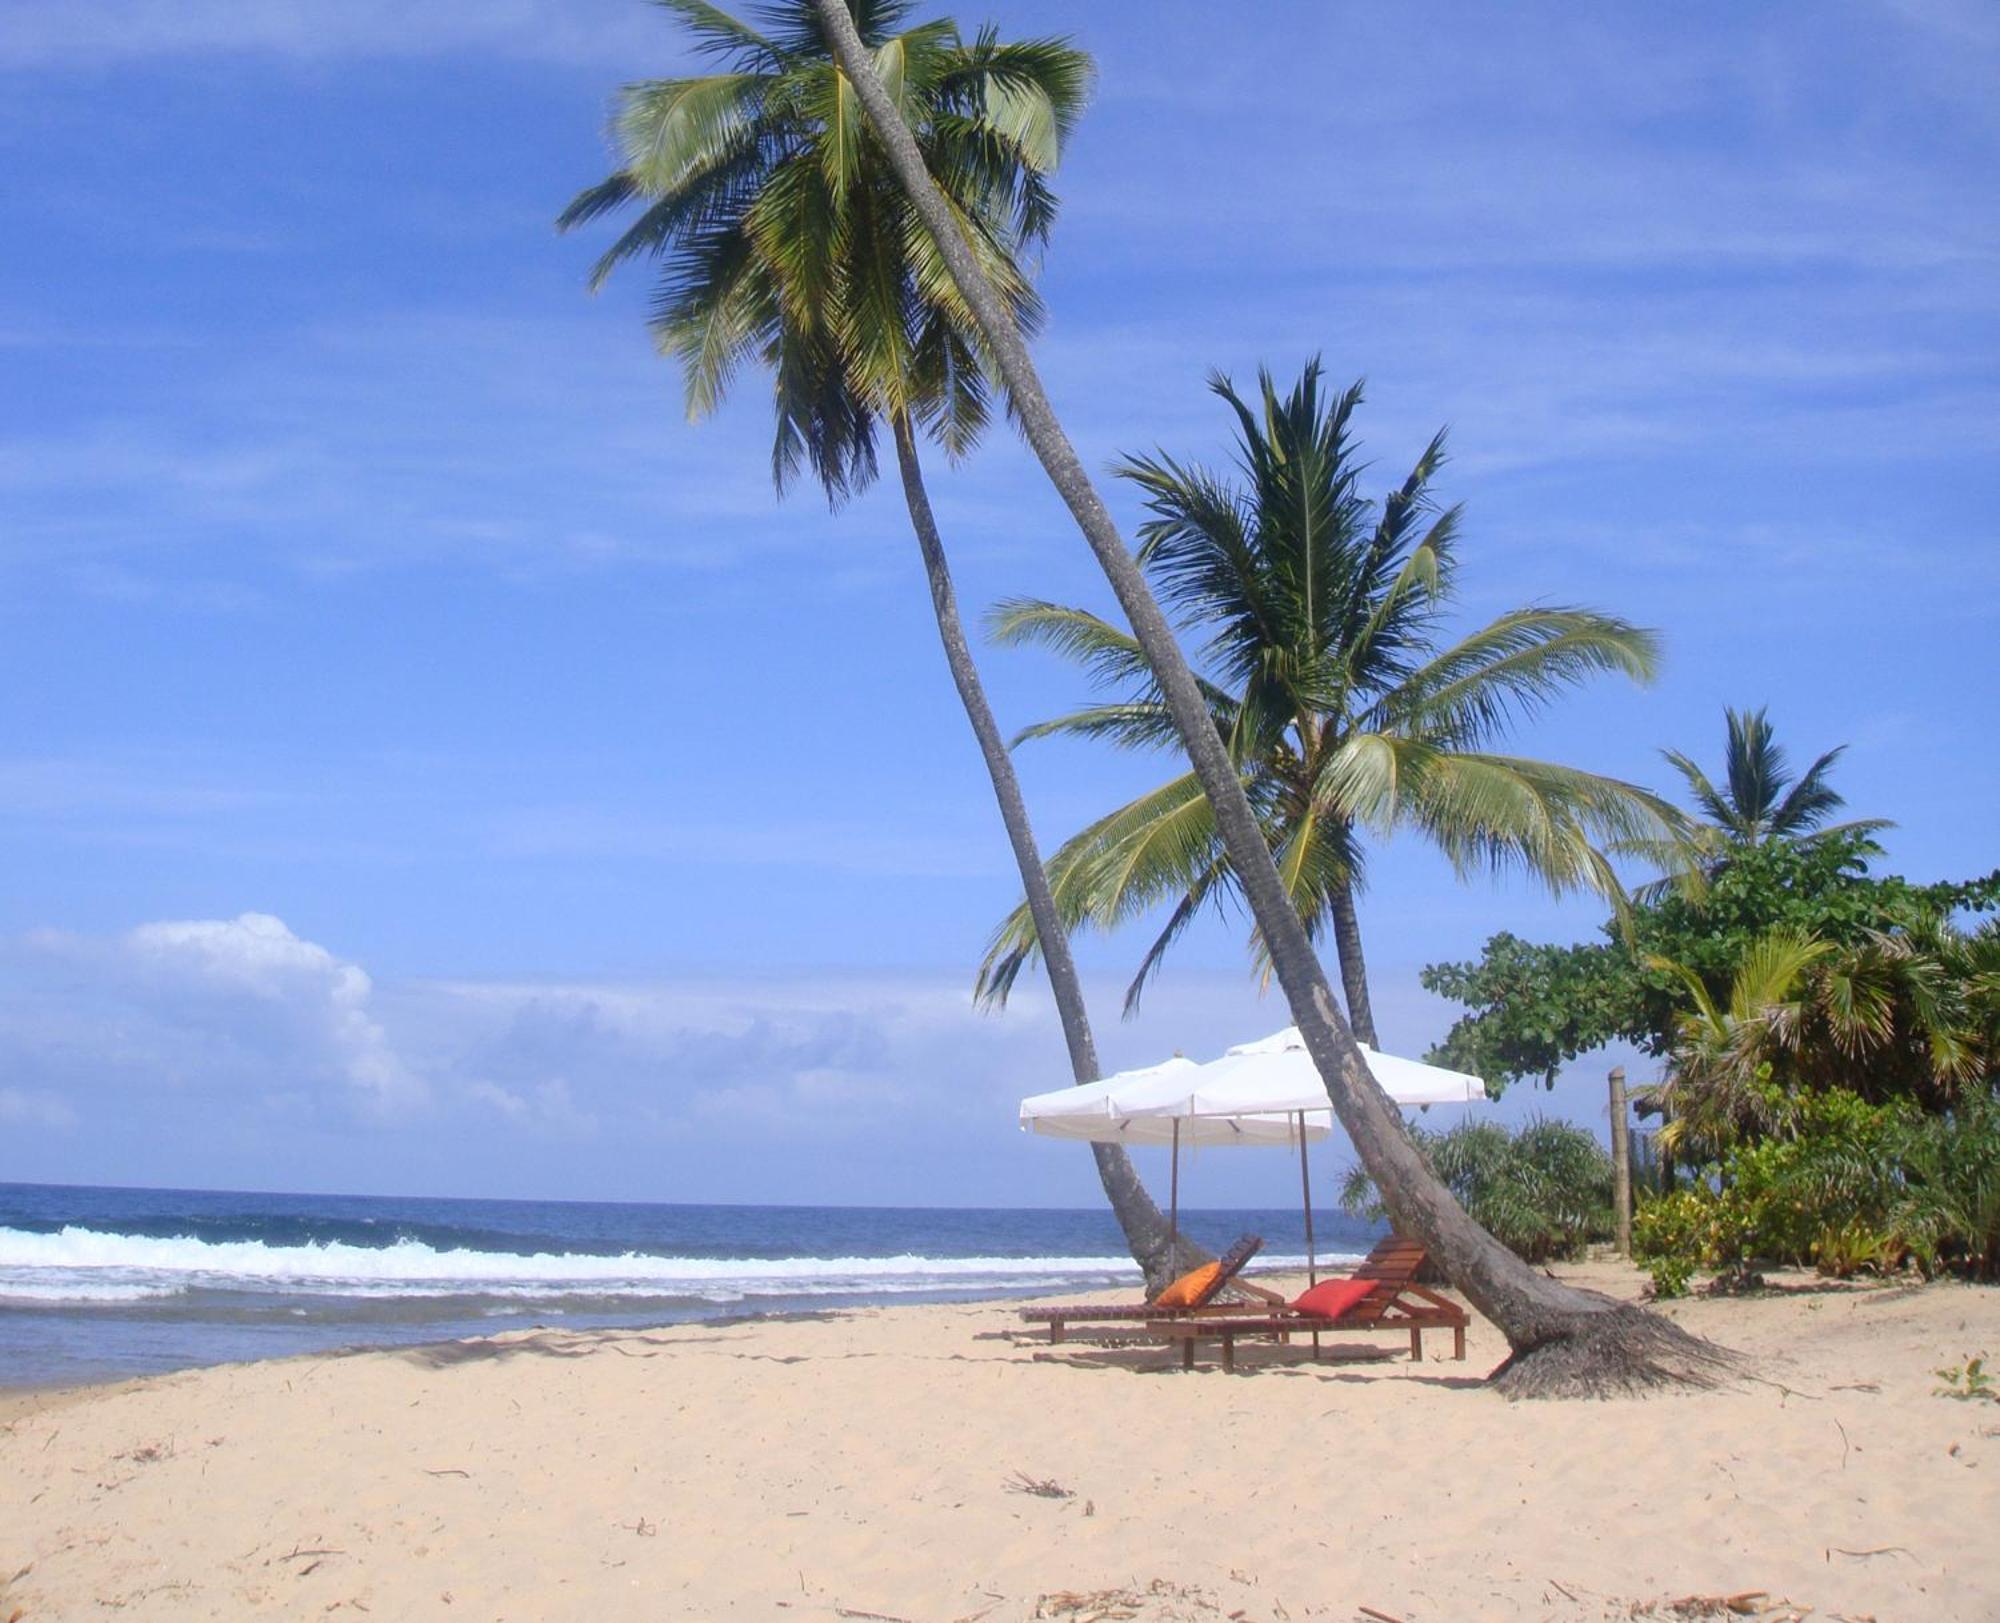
(1174, 1202)
(1621, 1162)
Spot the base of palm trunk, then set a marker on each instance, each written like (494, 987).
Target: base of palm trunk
(1621, 1351)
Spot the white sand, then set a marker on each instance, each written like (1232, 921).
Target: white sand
(860, 1466)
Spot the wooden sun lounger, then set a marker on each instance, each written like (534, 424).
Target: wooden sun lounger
(1397, 1302)
(1058, 1319)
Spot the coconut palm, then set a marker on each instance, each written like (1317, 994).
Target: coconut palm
(1563, 1341)
(1317, 612)
(1759, 800)
(783, 239)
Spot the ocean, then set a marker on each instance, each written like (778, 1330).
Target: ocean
(102, 1284)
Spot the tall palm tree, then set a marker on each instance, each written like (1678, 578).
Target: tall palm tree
(1563, 1341)
(1758, 799)
(783, 238)
(1317, 612)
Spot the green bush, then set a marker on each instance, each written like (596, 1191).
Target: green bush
(1851, 1186)
(1674, 1235)
(1948, 1206)
(1544, 1192)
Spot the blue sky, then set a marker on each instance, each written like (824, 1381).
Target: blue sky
(429, 764)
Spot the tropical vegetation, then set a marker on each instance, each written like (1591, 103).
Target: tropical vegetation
(1759, 798)
(1768, 865)
(1317, 614)
(1543, 1191)
(1829, 1037)
(1843, 1185)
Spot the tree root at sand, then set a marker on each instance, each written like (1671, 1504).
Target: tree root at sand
(1618, 1352)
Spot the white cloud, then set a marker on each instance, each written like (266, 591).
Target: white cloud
(235, 1053)
(256, 954)
(207, 1009)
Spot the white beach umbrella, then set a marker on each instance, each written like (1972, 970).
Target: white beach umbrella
(1263, 1092)
(1155, 1105)
(1276, 1073)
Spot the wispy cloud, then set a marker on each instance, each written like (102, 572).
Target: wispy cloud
(51, 33)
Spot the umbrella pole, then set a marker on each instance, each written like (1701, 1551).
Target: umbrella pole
(1306, 1187)
(1174, 1200)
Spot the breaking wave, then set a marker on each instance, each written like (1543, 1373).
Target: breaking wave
(84, 1265)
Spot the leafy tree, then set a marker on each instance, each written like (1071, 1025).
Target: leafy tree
(1564, 1342)
(1317, 613)
(783, 239)
(1534, 1007)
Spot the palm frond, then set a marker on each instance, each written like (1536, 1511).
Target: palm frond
(1515, 666)
(718, 34)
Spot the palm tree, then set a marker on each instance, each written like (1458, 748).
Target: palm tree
(1911, 1013)
(1563, 1341)
(1759, 799)
(1317, 612)
(783, 238)
(1725, 1051)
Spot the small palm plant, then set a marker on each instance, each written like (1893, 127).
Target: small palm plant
(1544, 1192)
(1317, 614)
(1726, 1052)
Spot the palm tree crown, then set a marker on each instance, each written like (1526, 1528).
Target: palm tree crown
(1318, 612)
(1759, 799)
(782, 236)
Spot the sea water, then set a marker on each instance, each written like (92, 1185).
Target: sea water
(99, 1284)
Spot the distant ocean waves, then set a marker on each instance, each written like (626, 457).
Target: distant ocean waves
(83, 1265)
(103, 1283)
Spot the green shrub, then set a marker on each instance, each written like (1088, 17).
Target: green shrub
(1544, 1191)
(1851, 1186)
(1825, 1195)
(1948, 1206)
(1674, 1235)
(1671, 1276)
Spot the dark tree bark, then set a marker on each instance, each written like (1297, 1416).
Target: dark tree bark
(1353, 966)
(1148, 1235)
(1563, 1341)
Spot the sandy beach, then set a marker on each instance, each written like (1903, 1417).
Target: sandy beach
(878, 1464)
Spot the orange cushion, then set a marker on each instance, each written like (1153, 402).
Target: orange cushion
(1191, 1287)
(1332, 1297)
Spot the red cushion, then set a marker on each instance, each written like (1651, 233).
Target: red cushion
(1332, 1297)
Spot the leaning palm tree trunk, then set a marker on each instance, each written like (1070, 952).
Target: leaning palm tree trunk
(1353, 965)
(1148, 1235)
(1563, 1341)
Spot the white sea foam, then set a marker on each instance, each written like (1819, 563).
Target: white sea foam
(84, 1264)
(21, 1289)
